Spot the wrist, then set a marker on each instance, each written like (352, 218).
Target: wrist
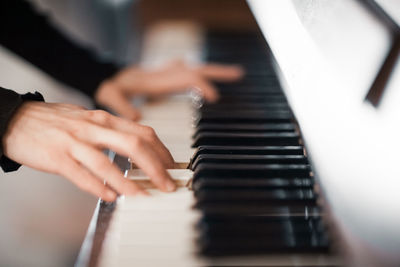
(5, 163)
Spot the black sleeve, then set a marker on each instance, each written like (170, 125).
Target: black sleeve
(29, 35)
(9, 103)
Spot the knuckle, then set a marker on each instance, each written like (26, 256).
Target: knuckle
(78, 128)
(79, 107)
(149, 132)
(135, 142)
(100, 116)
(72, 106)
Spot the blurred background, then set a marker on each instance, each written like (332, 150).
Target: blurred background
(44, 218)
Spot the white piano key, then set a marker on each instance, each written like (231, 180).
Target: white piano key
(154, 227)
(176, 174)
(182, 156)
(166, 239)
(158, 230)
(172, 119)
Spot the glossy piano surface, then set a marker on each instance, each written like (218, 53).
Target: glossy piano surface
(328, 54)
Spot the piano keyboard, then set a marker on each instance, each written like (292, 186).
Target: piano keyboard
(249, 199)
(252, 182)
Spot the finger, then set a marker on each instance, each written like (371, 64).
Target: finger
(206, 89)
(119, 103)
(101, 166)
(86, 181)
(131, 146)
(147, 160)
(219, 72)
(148, 134)
(130, 127)
(176, 63)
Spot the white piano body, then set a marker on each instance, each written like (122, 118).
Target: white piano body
(327, 55)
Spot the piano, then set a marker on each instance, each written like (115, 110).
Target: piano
(295, 165)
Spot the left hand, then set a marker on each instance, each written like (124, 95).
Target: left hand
(116, 92)
(69, 140)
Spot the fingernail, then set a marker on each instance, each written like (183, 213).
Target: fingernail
(170, 186)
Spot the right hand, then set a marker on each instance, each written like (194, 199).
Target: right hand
(68, 140)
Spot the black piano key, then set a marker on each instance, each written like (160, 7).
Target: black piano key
(218, 47)
(312, 221)
(249, 99)
(248, 159)
(288, 209)
(240, 228)
(271, 98)
(245, 114)
(248, 139)
(252, 170)
(229, 39)
(225, 54)
(248, 128)
(245, 117)
(244, 183)
(236, 226)
(235, 89)
(248, 150)
(252, 182)
(262, 194)
(263, 244)
(231, 96)
(240, 87)
(251, 229)
(250, 109)
(246, 58)
(254, 80)
(260, 107)
(268, 84)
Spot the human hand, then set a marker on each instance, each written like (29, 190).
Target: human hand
(68, 140)
(116, 92)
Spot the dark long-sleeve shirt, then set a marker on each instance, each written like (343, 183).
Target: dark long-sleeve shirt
(29, 35)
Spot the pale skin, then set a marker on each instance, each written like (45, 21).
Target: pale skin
(68, 140)
(175, 77)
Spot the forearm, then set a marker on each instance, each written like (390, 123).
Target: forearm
(30, 36)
